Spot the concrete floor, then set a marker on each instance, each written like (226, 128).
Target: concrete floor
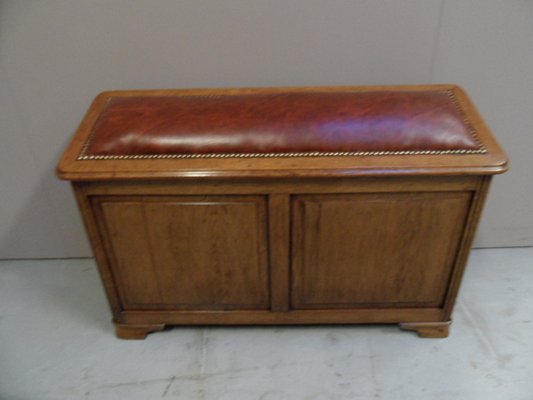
(56, 342)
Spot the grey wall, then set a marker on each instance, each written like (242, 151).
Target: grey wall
(55, 56)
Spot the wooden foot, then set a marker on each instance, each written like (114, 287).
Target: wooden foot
(428, 329)
(139, 332)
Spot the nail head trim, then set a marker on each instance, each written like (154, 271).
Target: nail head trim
(83, 156)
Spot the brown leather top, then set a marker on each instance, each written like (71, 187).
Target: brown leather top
(281, 124)
(274, 133)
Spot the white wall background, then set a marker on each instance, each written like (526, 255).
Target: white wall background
(55, 56)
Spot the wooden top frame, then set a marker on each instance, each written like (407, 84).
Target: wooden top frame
(493, 161)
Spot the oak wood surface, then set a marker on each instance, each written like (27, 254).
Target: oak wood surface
(467, 240)
(392, 249)
(304, 240)
(292, 186)
(136, 332)
(101, 253)
(305, 317)
(187, 252)
(428, 329)
(279, 245)
(415, 229)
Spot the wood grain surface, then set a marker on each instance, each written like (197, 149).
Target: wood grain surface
(283, 240)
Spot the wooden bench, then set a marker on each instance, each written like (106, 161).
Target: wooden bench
(282, 205)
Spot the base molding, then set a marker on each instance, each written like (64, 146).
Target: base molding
(423, 329)
(136, 332)
(428, 329)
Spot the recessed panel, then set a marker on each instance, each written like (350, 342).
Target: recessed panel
(188, 252)
(375, 250)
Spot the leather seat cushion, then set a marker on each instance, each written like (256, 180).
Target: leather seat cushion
(336, 123)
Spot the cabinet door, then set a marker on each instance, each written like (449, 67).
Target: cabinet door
(187, 252)
(375, 250)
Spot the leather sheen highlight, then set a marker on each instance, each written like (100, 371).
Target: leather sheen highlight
(283, 123)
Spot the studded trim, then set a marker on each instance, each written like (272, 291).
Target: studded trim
(83, 156)
(468, 123)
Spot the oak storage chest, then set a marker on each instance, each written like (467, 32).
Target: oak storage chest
(330, 205)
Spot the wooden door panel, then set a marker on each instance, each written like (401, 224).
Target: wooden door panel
(375, 250)
(187, 252)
